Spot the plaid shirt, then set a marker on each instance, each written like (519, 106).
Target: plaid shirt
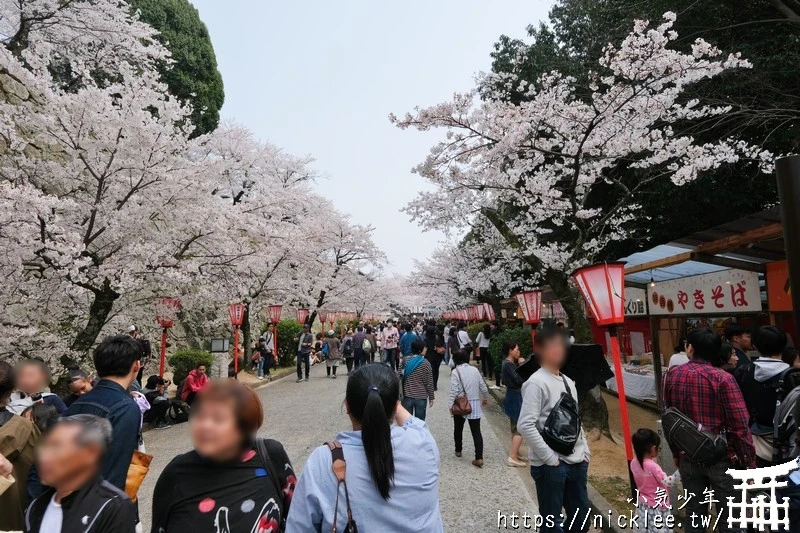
(711, 397)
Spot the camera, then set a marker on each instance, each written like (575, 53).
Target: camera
(36, 398)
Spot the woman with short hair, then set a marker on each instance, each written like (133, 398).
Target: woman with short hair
(230, 481)
(392, 470)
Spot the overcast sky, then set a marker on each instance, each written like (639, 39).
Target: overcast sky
(320, 78)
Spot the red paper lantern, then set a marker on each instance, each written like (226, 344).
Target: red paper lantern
(489, 311)
(323, 317)
(236, 312)
(166, 310)
(275, 313)
(301, 315)
(480, 311)
(603, 288)
(531, 304)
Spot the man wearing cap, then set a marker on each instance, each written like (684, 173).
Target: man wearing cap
(305, 343)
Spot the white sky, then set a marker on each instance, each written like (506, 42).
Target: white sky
(320, 78)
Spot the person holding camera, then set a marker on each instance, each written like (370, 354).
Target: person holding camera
(155, 391)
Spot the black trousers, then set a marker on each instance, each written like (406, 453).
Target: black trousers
(303, 358)
(349, 362)
(157, 412)
(474, 428)
(436, 363)
(486, 363)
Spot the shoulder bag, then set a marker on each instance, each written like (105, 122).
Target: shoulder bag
(461, 405)
(687, 436)
(339, 467)
(563, 425)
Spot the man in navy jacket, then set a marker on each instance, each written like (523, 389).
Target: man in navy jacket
(117, 360)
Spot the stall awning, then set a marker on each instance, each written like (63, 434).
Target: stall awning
(748, 243)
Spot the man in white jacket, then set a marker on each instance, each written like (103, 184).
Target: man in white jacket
(560, 479)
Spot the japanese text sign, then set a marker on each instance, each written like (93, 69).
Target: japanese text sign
(726, 291)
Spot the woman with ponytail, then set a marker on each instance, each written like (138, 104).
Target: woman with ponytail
(392, 472)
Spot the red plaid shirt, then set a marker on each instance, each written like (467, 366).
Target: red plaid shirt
(711, 397)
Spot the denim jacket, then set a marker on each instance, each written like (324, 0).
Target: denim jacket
(109, 400)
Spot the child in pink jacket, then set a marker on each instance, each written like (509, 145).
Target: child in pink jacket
(652, 483)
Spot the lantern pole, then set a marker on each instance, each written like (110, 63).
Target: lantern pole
(596, 289)
(236, 352)
(163, 358)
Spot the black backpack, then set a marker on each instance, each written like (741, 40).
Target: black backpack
(347, 349)
(761, 397)
(563, 425)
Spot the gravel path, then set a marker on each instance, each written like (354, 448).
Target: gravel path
(304, 415)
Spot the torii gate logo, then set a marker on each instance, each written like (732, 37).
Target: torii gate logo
(758, 508)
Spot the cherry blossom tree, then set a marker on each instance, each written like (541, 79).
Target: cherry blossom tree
(540, 174)
(108, 204)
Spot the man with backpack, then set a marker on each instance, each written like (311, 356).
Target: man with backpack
(359, 356)
(711, 398)
(760, 382)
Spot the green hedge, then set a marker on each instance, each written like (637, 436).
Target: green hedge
(184, 361)
(288, 332)
(522, 336)
(474, 329)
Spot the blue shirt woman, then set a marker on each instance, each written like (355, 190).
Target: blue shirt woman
(392, 470)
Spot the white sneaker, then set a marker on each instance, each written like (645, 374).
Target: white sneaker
(510, 461)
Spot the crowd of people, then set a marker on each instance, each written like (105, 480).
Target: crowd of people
(71, 456)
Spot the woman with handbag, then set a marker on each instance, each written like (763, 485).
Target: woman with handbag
(388, 472)
(230, 481)
(468, 394)
(549, 422)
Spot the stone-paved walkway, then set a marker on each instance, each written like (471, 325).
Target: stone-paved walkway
(304, 415)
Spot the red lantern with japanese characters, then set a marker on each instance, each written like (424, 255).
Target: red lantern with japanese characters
(236, 312)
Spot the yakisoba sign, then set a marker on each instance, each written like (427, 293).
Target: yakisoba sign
(726, 291)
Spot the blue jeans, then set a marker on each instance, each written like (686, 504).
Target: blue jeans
(415, 406)
(563, 486)
(264, 364)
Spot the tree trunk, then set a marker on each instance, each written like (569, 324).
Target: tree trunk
(573, 305)
(192, 327)
(594, 412)
(247, 335)
(101, 307)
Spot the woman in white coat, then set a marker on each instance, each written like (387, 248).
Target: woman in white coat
(466, 380)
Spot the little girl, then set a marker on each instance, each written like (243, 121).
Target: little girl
(649, 479)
